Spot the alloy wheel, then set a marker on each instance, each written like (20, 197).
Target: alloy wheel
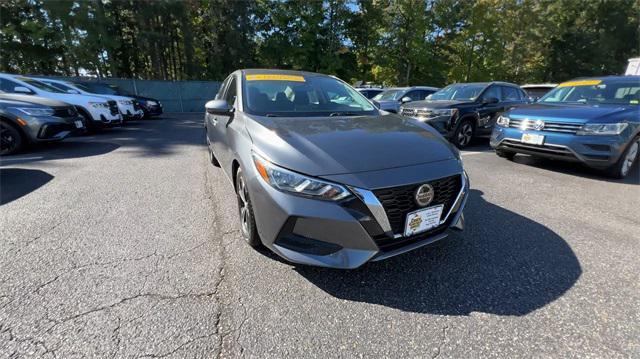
(465, 134)
(243, 206)
(632, 154)
(8, 141)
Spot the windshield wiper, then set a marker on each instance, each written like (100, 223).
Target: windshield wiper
(343, 114)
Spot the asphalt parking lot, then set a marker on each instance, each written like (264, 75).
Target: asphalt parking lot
(126, 244)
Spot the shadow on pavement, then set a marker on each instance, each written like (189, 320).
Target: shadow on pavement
(60, 150)
(17, 182)
(503, 264)
(577, 169)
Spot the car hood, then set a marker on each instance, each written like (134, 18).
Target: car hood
(321, 146)
(30, 100)
(579, 113)
(435, 104)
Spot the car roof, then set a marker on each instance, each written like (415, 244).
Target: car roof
(526, 86)
(282, 72)
(614, 78)
(423, 88)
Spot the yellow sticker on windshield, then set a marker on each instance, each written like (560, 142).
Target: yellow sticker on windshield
(580, 83)
(274, 77)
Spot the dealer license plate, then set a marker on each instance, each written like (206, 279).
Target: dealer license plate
(532, 138)
(78, 124)
(422, 220)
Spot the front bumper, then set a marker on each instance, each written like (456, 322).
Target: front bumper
(50, 129)
(594, 151)
(105, 118)
(339, 235)
(130, 113)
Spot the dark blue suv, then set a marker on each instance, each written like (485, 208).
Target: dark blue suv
(595, 121)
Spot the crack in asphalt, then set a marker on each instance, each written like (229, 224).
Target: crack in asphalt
(442, 340)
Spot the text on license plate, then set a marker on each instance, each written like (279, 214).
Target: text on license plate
(78, 124)
(532, 138)
(422, 220)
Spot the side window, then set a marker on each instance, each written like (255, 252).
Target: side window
(510, 94)
(230, 95)
(493, 91)
(9, 86)
(415, 95)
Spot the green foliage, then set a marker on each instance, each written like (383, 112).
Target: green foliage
(392, 42)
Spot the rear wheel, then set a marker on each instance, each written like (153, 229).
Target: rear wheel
(623, 167)
(463, 134)
(245, 210)
(505, 154)
(11, 140)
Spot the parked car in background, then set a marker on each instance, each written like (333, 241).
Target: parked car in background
(594, 121)
(150, 106)
(326, 182)
(633, 67)
(370, 92)
(126, 105)
(536, 91)
(466, 110)
(391, 99)
(28, 119)
(97, 112)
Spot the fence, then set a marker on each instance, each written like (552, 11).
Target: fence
(176, 96)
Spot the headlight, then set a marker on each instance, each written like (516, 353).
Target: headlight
(99, 104)
(152, 103)
(503, 121)
(33, 111)
(602, 128)
(125, 102)
(444, 112)
(291, 182)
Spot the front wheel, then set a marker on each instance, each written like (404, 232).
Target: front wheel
(463, 134)
(622, 168)
(11, 140)
(245, 209)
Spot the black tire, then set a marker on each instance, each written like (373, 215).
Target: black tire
(627, 160)
(11, 139)
(505, 154)
(463, 134)
(245, 210)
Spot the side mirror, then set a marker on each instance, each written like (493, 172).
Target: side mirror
(428, 97)
(405, 99)
(489, 100)
(22, 89)
(217, 107)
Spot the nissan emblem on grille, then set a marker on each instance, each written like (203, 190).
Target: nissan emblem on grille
(424, 194)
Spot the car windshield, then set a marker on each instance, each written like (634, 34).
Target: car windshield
(300, 95)
(62, 87)
(389, 95)
(595, 92)
(460, 92)
(40, 85)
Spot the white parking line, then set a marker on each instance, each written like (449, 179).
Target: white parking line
(471, 153)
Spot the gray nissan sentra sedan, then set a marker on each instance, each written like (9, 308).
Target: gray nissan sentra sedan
(323, 178)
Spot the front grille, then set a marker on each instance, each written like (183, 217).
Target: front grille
(528, 124)
(398, 201)
(65, 112)
(542, 149)
(113, 106)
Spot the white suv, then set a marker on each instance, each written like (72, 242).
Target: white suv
(125, 104)
(97, 111)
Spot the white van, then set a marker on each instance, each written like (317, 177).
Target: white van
(97, 111)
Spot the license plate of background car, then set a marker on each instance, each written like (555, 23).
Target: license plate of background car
(78, 124)
(422, 220)
(532, 138)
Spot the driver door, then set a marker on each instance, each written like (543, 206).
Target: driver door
(488, 112)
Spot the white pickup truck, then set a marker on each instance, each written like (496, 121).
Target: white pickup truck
(97, 111)
(125, 104)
